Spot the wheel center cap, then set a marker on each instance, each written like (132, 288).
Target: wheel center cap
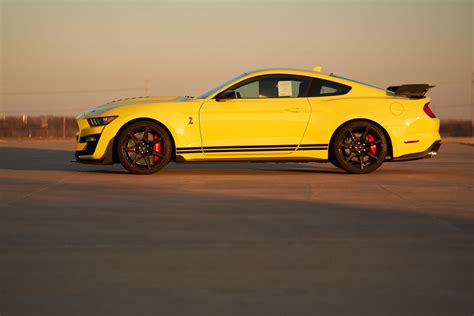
(143, 148)
(359, 147)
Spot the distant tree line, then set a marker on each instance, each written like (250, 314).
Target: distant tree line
(53, 126)
(456, 128)
(47, 126)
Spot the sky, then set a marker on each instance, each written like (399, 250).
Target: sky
(66, 56)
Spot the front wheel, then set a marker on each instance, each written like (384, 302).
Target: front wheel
(360, 147)
(144, 148)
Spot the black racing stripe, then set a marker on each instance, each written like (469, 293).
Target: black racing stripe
(188, 151)
(245, 150)
(238, 147)
(188, 148)
(314, 145)
(234, 150)
(250, 146)
(313, 148)
(217, 149)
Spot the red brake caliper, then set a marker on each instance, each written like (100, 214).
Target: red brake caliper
(373, 148)
(157, 148)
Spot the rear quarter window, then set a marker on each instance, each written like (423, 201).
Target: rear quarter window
(325, 88)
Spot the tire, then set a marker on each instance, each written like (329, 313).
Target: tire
(334, 162)
(144, 148)
(360, 147)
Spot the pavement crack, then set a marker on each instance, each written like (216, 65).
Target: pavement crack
(45, 188)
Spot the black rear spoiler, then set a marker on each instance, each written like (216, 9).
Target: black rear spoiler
(414, 91)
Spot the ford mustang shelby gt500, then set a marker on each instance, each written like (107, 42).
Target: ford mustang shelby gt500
(265, 115)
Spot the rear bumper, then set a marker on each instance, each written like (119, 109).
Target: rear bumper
(430, 152)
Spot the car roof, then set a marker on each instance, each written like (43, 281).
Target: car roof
(281, 70)
(292, 71)
(310, 73)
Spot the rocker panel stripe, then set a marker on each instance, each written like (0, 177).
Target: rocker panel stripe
(250, 148)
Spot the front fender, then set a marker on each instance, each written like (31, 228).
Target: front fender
(111, 131)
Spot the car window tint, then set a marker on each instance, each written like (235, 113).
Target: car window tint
(322, 88)
(273, 87)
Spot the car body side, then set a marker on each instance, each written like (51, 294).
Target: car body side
(408, 128)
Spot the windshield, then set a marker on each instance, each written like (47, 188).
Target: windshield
(215, 89)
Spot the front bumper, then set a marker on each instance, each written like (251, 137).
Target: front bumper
(92, 145)
(87, 155)
(90, 142)
(430, 152)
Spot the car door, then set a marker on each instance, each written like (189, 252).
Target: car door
(267, 115)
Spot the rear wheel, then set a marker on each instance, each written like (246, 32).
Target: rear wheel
(144, 148)
(360, 147)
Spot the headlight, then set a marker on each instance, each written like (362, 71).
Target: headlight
(98, 121)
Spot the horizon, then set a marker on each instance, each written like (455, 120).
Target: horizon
(64, 56)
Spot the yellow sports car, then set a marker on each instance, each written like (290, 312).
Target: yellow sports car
(265, 115)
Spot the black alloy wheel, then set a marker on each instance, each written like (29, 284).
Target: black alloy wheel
(144, 148)
(360, 147)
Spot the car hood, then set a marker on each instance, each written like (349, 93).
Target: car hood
(97, 111)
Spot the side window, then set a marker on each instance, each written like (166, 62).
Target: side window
(273, 87)
(324, 88)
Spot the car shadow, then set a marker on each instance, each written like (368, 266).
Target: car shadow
(15, 158)
(235, 168)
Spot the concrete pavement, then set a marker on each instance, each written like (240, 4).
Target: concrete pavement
(234, 239)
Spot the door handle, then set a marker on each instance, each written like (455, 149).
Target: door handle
(294, 110)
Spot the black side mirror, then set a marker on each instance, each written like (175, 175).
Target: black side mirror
(227, 94)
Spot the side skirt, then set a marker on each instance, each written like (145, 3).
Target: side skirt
(182, 159)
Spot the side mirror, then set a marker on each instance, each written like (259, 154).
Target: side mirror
(226, 95)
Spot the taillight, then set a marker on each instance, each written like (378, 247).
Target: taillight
(428, 111)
